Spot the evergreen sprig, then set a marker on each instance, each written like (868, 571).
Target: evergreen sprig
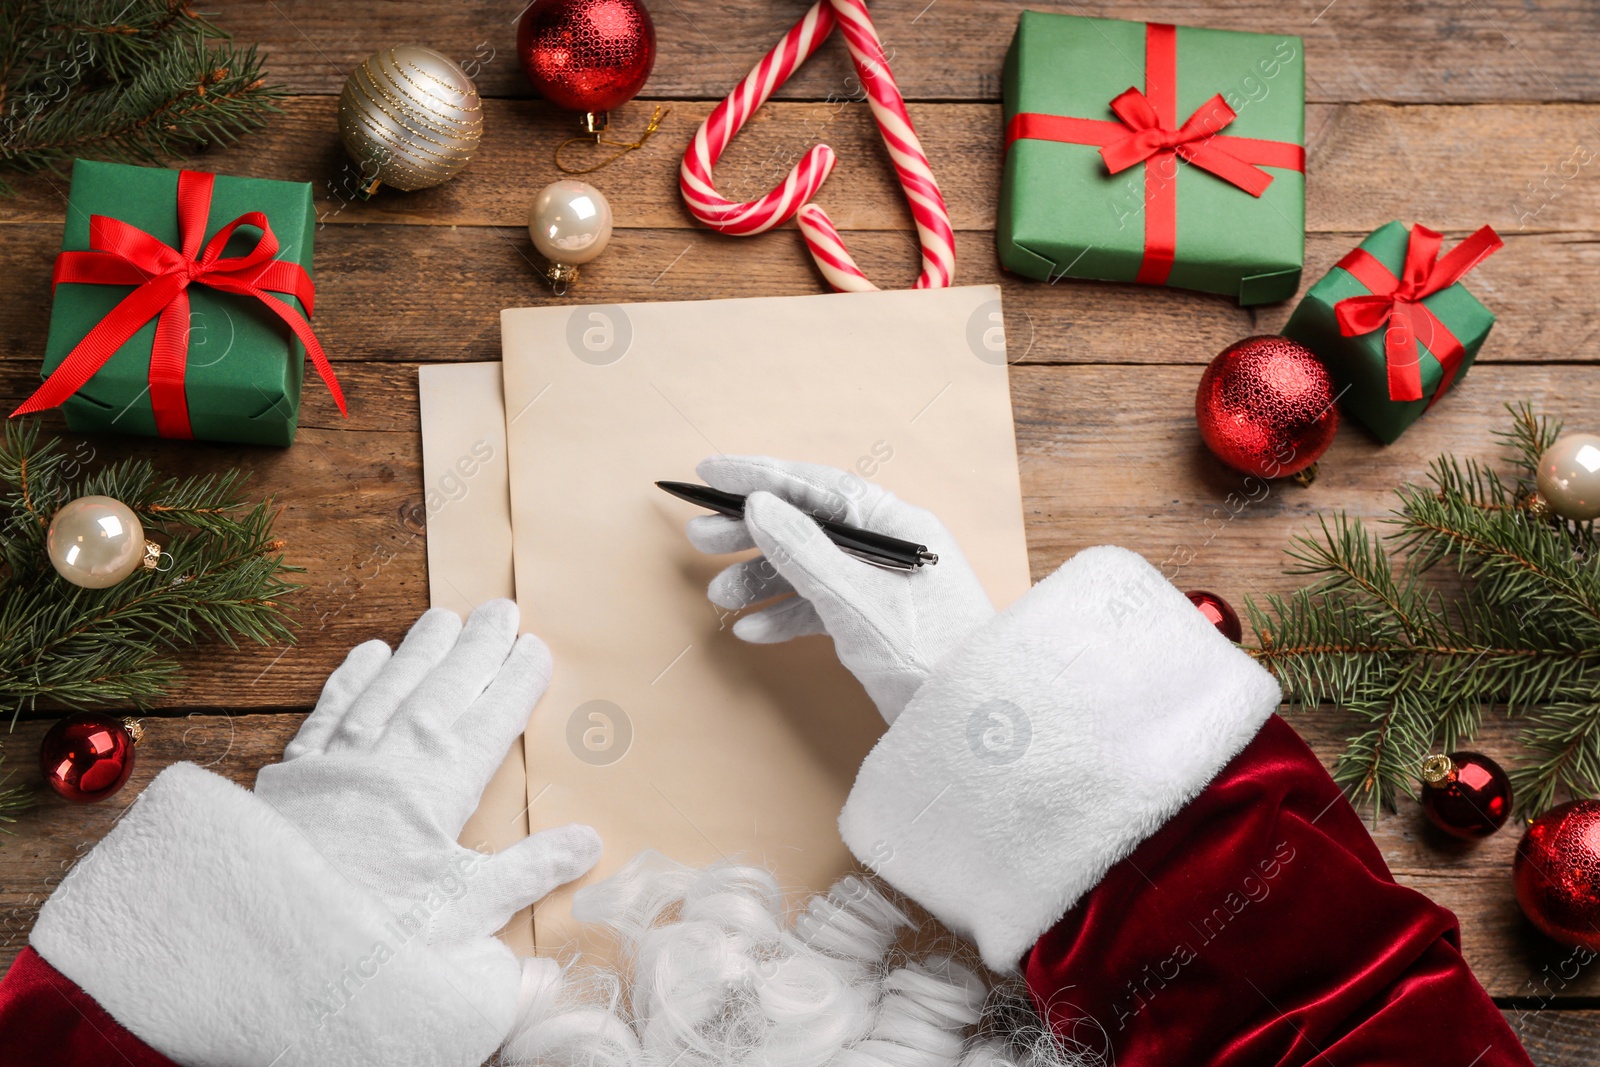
(131, 81)
(13, 798)
(222, 577)
(1473, 603)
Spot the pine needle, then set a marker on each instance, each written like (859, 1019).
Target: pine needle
(223, 578)
(130, 81)
(14, 799)
(1469, 605)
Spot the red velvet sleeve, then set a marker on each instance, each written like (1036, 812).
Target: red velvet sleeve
(1260, 927)
(46, 1019)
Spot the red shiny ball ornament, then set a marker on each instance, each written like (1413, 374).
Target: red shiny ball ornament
(86, 757)
(1219, 612)
(587, 55)
(1465, 794)
(1557, 874)
(1265, 407)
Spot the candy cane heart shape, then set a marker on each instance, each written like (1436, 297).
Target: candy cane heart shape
(792, 198)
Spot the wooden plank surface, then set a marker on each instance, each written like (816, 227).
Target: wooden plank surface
(1109, 453)
(1531, 167)
(1411, 50)
(443, 306)
(1452, 114)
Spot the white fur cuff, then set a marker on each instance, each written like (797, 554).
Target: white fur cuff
(209, 927)
(1067, 731)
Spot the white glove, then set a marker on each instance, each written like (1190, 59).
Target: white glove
(385, 772)
(329, 919)
(890, 628)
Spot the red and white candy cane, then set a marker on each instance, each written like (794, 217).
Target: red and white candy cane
(793, 196)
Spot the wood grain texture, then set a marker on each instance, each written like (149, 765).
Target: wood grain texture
(1557, 1038)
(1109, 454)
(1411, 50)
(406, 293)
(1532, 168)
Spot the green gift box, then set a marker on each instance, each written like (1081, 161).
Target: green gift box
(1205, 130)
(233, 369)
(1401, 361)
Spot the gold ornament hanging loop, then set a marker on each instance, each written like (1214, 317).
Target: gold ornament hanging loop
(594, 135)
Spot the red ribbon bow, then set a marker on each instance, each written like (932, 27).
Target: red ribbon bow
(1396, 302)
(1148, 133)
(126, 255)
(1195, 141)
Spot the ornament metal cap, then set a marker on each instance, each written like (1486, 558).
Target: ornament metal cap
(1535, 505)
(561, 275)
(1305, 477)
(1438, 769)
(596, 124)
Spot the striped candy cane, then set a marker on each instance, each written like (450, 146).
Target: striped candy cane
(792, 198)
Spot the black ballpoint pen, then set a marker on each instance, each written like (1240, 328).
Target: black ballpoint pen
(875, 548)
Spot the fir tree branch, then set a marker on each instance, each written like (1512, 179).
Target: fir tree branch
(132, 81)
(1528, 437)
(1417, 652)
(226, 580)
(14, 799)
(1566, 739)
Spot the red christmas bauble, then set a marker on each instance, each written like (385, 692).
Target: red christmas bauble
(1265, 407)
(87, 756)
(1220, 612)
(1465, 794)
(587, 55)
(1557, 873)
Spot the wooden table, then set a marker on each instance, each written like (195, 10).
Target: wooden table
(1452, 113)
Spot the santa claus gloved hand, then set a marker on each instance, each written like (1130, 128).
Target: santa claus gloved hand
(329, 917)
(1093, 787)
(384, 774)
(890, 628)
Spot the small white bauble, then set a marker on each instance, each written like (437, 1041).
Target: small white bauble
(1569, 476)
(410, 118)
(97, 541)
(570, 223)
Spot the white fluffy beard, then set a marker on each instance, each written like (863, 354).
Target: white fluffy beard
(713, 976)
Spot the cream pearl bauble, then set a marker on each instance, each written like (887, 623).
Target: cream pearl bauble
(570, 223)
(1569, 476)
(96, 541)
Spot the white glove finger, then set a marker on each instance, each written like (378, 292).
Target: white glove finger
(430, 640)
(483, 733)
(500, 885)
(795, 617)
(815, 566)
(347, 682)
(826, 491)
(461, 677)
(811, 487)
(717, 535)
(747, 582)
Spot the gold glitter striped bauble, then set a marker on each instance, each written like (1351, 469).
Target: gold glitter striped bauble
(410, 118)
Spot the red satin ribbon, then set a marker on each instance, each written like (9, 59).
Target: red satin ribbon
(1397, 303)
(126, 255)
(1149, 133)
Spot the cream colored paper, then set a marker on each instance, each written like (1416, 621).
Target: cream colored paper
(465, 486)
(466, 494)
(660, 728)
